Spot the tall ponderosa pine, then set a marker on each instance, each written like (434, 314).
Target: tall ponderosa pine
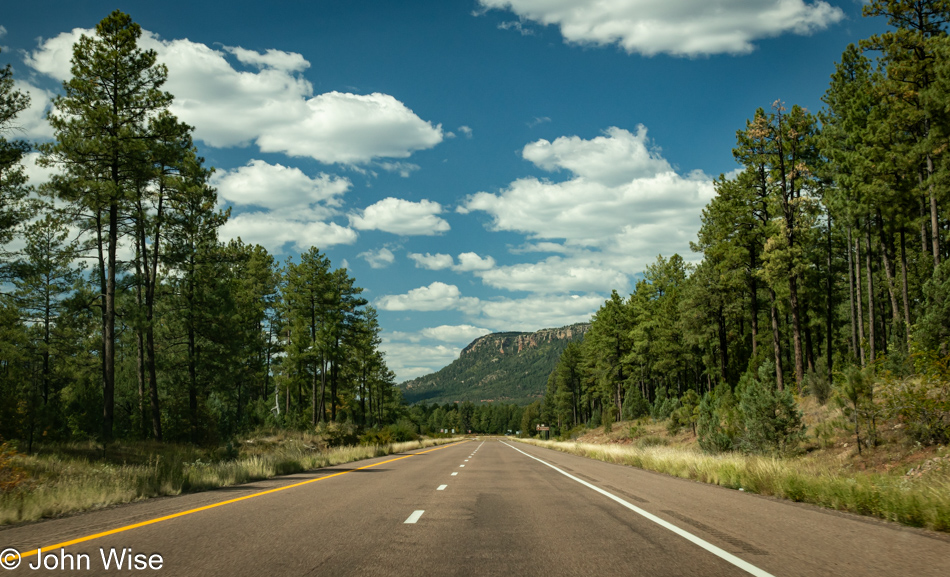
(102, 125)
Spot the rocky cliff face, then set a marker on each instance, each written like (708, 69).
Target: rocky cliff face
(500, 367)
(507, 343)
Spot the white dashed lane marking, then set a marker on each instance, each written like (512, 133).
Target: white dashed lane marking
(414, 517)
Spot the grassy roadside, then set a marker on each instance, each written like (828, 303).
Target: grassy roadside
(916, 500)
(78, 477)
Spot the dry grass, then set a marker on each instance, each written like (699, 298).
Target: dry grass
(72, 478)
(897, 481)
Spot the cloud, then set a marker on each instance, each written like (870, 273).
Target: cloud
(411, 360)
(617, 183)
(438, 296)
(276, 59)
(538, 311)
(436, 261)
(469, 261)
(621, 205)
(347, 128)
(283, 205)
(462, 334)
(681, 27)
(273, 232)
(556, 275)
(517, 26)
(275, 187)
(272, 106)
(465, 130)
(36, 175)
(31, 123)
(3, 31)
(403, 217)
(538, 120)
(403, 168)
(380, 258)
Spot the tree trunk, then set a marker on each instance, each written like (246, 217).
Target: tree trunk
(870, 274)
(755, 307)
(860, 299)
(796, 329)
(851, 310)
(934, 222)
(888, 262)
(723, 346)
(776, 343)
(108, 333)
(904, 291)
(828, 310)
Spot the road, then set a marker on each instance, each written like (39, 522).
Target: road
(482, 507)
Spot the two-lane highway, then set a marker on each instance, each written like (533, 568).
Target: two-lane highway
(478, 508)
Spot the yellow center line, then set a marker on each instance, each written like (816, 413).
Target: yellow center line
(228, 502)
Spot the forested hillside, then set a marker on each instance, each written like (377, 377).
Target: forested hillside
(500, 367)
(823, 268)
(123, 315)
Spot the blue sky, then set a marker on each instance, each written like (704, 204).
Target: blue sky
(478, 165)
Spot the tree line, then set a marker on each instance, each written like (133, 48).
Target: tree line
(824, 255)
(124, 315)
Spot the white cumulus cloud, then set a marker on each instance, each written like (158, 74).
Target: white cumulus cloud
(469, 261)
(678, 27)
(436, 261)
(380, 258)
(461, 334)
(438, 296)
(272, 106)
(273, 232)
(274, 186)
(403, 217)
(621, 205)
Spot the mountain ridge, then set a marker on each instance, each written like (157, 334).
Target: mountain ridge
(510, 367)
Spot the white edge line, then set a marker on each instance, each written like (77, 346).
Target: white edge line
(415, 516)
(724, 555)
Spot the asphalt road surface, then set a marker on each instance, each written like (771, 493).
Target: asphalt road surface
(482, 507)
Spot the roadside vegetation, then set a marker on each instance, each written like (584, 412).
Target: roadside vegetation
(66, 478)
(881, 453)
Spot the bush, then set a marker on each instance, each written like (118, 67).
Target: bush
(932, 330)
(855, 395)
(635, 405)
(608, 420)
(817, 383)
(771, 418)
(719, 423)
(686, 414)
(922, 403)
(664, 405)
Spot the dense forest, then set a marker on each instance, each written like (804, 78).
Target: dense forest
(823, 267)
(122, 313)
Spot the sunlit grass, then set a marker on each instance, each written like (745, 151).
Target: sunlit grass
(64, 479)
(920, 502)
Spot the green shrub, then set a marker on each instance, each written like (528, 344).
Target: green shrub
(922, 403)
(608, 420)
(719, 423)
(771, 418)
(635, 405)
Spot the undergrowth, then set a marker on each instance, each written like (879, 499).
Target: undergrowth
(894, 497)
(69, 478)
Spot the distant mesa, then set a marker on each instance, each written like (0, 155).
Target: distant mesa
(508, 367)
